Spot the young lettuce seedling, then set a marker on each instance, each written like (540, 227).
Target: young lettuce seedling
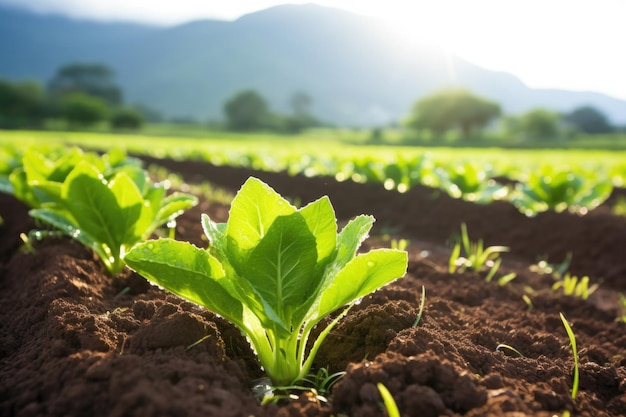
(108, 216)
(470, 181)
(274, 271)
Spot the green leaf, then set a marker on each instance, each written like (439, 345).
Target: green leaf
(47, 191)
(173, 206)
(187, 271)
(20, 188)
(91, 202)
(64, 165)
(252, 212)
(65, 223)
(129, 217)
(350, 239)
(137, 174)
(320, 219)
(216, 233)
(113, 213)
(6, 186)
(281, 267)
(364, 274)
(236, 285)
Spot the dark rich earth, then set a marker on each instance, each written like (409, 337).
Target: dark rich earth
(77, 342)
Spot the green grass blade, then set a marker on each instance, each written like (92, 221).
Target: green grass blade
(572, 340)
(390, 403)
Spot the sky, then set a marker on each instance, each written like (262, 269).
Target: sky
(565, 44)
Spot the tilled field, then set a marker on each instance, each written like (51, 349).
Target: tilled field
(75, 341)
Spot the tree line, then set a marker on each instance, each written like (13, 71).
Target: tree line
(459, 111)
(80, 94)
(248, 110)
(86, 94)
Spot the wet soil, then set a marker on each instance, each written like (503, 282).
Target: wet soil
(75, 341)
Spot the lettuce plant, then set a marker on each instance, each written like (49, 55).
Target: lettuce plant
(470, 181)
(10, 160)
(549, 189)
(275, 272)
(109, 216)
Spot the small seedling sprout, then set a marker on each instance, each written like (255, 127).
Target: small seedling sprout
(197, 342)
(493, 270)
(318, 384)
(572, 340)
(421, 310)
(388, 401)
(575, 287)
(477, 257)
(28, 247)
(399, 244)
(322, 380)
(505, 279)
(508, 347)
(123, 291)
(528, 301)
(557, 269)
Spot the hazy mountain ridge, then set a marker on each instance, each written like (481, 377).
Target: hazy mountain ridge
(356, 70)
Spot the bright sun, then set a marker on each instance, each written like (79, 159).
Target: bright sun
(569, 44)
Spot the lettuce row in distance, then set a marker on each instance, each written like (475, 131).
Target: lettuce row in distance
(274, 271)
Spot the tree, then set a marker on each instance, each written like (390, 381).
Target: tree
(83, 110)
(21, 104)
(453, 109)
(300, 117)
(92, 79)
(588, 119)
(301, 103)
(149, 114)
(539, 124)
(247, 111)
(126, 118)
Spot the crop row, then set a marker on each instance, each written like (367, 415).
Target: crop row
(537, 189)
(565, 180)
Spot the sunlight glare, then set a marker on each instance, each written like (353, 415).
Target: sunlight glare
(556, 44)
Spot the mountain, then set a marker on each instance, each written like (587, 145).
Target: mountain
(356, 69)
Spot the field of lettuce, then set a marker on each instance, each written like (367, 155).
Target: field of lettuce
(462, 271)
(532, 180)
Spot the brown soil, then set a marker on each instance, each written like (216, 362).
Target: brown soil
(77, 342)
